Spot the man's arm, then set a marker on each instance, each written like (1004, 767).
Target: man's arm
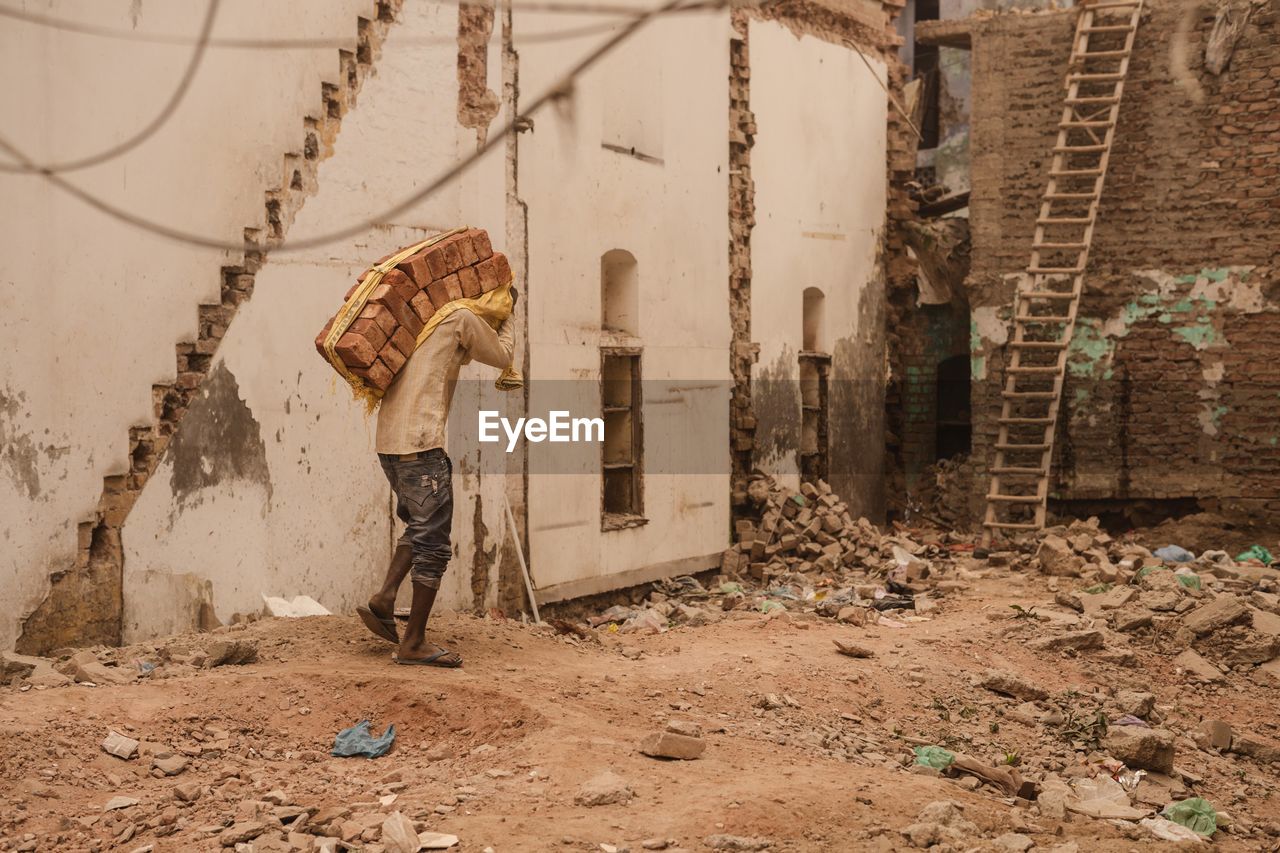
(482, 343)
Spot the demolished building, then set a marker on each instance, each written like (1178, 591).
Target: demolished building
(1169, 396)
(665, 171)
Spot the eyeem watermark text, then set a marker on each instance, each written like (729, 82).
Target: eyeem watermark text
(558, 427)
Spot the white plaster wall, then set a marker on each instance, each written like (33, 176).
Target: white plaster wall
(665, 94)
(325, 530)
(90, 309)
(818, 164)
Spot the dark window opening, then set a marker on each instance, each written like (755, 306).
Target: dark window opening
(814, 444)
(623, 449)
(954, 425)
(928, 71)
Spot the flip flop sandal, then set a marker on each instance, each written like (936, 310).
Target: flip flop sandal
(382, 626)
(431, 660)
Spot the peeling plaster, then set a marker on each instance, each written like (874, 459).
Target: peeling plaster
(776, 396)
(220, 441)
(18, 452)
(988, 329)
(1192, 306)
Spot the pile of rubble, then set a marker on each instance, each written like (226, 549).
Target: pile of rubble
(1216, 612)
(803, 551)
(1109, 754)
(126, 665)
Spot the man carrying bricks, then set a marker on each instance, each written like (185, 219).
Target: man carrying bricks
(410, 445)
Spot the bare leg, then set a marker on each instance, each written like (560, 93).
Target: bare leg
(413, 644)
(383, 602)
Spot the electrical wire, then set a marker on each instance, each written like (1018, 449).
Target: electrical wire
(80, 28)
(555, 92)
(901, 110)
(179, 92)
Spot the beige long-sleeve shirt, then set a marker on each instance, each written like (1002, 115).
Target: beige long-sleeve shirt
(415, 409)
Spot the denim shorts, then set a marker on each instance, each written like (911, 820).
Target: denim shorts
(424, 502)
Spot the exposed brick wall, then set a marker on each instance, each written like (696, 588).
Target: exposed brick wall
(927, 336)
(1173, 386)
(742, 218)
(85, 602)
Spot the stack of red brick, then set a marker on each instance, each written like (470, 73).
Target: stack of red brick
(379, 342)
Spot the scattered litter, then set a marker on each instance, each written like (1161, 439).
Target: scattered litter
(1104, 798)
(292, 608)
(1195, 813)
(358, 741)
(1255, 552)
(120, 746)
(1188, 578)
(1174, 554)
(934, 756)
(1167, 830)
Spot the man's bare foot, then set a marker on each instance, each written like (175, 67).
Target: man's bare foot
(423, 652)
(383, 605)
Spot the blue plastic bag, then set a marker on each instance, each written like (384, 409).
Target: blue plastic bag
(358, 741)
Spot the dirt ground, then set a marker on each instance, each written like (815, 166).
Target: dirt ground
(806, 749)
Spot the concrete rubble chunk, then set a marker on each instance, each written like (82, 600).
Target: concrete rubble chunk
(1076, 640)
(1013, 842)
(1128, 619)
(672, 745)
(97, 673)
(120, 746)
(13, 665)
(1247, 743)
(1141, 748)
(853, 650)
(170, 764)
(1222, 611)
(293, 608)
(604, 789)
(1216, 733)
(1013, 685)
(1057, 558)
(119, 802)
(230, 652)
(1137, 703)
(436, 840)
(399, 835)
(241, 831)
(688, 728)
(736, 842)
(940, 822)
(187, 792)
(1265, 622)
(1193, 664)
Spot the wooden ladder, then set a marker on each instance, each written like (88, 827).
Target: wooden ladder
(1044, 313)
